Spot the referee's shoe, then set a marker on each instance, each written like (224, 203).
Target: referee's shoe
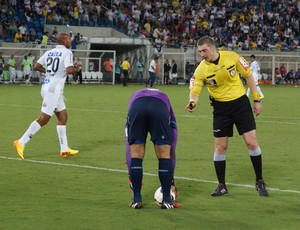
(221, 190)
(261, 188)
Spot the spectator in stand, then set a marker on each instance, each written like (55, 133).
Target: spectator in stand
(158, 46)
(13, 28)
(23, 30)
(18, 37)
(45, 38)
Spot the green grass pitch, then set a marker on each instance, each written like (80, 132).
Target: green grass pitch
(90, 190)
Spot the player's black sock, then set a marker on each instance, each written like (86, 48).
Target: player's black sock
(220, 167)
(257, 165)
(165, 177)
(136, 176)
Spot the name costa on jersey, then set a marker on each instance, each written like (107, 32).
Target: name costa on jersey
(54, 54)
(244, 63)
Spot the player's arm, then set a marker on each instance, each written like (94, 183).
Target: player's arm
(39, 68)
(72, 69)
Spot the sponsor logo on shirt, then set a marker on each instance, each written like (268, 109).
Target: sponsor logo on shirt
(244, 63)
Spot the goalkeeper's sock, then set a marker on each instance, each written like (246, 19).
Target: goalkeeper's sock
(136, 176)
(165, 177)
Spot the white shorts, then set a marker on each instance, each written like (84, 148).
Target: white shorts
(26, 72)
(52, 103)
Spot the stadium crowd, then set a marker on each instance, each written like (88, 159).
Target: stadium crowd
(235, 24)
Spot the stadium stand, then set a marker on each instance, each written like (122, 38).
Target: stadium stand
(239, 25)
(243, 26)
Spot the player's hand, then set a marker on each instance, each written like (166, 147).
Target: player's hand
(191, 106)
(257, 108)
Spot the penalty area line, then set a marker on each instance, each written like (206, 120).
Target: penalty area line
(148, 174)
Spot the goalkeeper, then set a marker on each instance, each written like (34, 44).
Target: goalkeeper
(150, 111)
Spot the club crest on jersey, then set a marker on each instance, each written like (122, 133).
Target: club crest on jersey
(232, 72)
(212, 82)
(244, 63)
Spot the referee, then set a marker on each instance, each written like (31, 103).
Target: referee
(219, 71)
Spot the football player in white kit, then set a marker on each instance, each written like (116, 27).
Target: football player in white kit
(59, 63)
(255, 71)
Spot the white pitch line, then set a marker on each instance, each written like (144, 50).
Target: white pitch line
(148, 174)
(192, 116)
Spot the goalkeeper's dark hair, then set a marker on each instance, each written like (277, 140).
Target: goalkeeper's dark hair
(206, 40)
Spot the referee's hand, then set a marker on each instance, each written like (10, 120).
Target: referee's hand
(257, 108)
(191, 106)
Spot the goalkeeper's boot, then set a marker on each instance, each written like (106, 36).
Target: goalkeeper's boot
(261, 188)
(19, 148)
(171, 205)
(69, 152)
(136, 205)
(136, 202)
(221, 190)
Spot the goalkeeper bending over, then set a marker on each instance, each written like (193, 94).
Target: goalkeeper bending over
(149, 110)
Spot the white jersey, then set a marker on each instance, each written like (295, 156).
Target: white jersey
(56, 62)
(255, 70)
(152, 66)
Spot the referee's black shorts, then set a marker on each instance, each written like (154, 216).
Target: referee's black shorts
(149, 115)
(237, 112)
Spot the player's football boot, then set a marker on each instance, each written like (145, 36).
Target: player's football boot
(69, 152)
(19, 148)
(221, 190)
(171, 205)
(261, 188)
(136, 205)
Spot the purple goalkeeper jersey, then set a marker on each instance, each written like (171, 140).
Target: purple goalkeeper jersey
(163, 97)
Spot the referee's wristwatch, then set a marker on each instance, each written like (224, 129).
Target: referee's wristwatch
(257, 101)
